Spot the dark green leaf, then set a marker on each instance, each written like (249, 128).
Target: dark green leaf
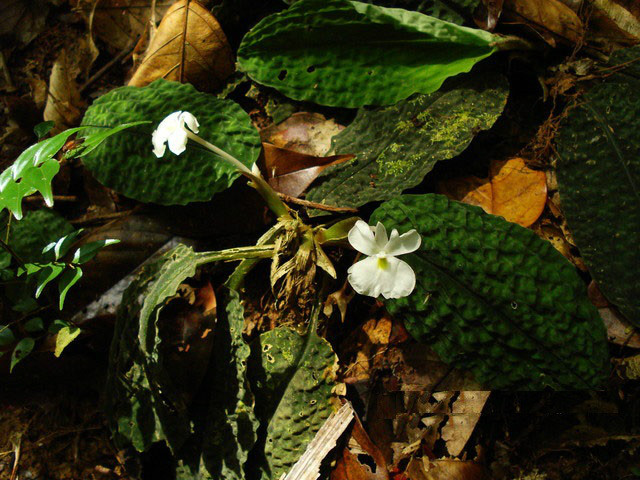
(34, 325)
(397, 146)
(494, 298)
(43, 128)
(126, 163)
(6, 336)
(599, 181)
(59, 248)
(47, 274)
(350, 54)
(90, 250)
(21, 350)
(67, 280)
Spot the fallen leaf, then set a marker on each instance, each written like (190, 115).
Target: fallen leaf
(487, 14)
(463, 418)
(349, 466)
(189, 46)
(23, 19)
(290, 172)
(616, 22)
(119, 23)
(64, 103)
(303, 132)
(444, 469)
(551, 19)
(618, 330)
(512, 191)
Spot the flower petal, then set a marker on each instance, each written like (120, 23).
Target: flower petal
(361, 238)
(170, 123)
(178, 141)
(158, 141)
(190, 120)
(381, 236)
(363, 276)
(405, 243)
(398, 280)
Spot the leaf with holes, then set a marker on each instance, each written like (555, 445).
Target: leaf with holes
(599, 182)
(349, 54)
(397, 146)
(293, 380)
(126, 163)
(493, 298)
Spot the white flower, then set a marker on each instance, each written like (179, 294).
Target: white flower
(381, 272)
(172, 130)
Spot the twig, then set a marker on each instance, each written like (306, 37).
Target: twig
(11, 252)
(5, 71)
(319, 206)
(100, 218)
(16, 460)
(126, 51)
(56, 198)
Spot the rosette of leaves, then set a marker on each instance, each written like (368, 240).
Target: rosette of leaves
(127, 164)
(349, 54)
(494, 298)
(599, 180)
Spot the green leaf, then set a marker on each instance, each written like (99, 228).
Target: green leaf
(43, 128)
(34, 325)
(67, 280)
(454, 11)
(58, 249)
(90, 250)
(126, 163)
(598, 173)
(93, 140)
(293, 378)
(397, 146)
(57, 325)
(65, 336)
(494, 298)
(232, 424)
(37, 228)
(21, 350)
(350, 54)
(47, 274)
(6, 336)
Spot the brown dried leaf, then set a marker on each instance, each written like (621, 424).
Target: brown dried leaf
(303, 132)
(291, 172)
(551, 19)
(615, 21)
(189, 46)
(464, 416)
(444, 469)
(512, 191)
(618, 330)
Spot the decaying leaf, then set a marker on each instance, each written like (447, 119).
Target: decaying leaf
(551, 19)
(513, 191)
(119, 23)
(618, 330)
(189, 46)
(303, 132)
(444, 469)
(23, 19)
(290, 172)
(616, 22)
(465, 413)
(64, 103)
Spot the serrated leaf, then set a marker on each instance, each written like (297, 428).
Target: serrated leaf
(34, 325)
(599, 182)
(232, 424)
(68, 279)
(293, 382)
(195, 175)
(493, 298)
(86, 252)
(64, 337)
(349, 54)
(21, 350)
(397, 146)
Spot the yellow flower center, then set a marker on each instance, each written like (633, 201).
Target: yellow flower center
(383, 263)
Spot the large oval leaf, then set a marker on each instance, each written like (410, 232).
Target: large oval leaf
(599, 181)
(494, 298)
(125, 162)
(350, 54)
(397, 146)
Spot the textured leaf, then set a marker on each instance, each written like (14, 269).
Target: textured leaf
(351, 54)
(293, 386)
(64, 337)
(125, 162)
(397, 146)
(599, 182)
(494, 298)
(189, 46)
(232, 424)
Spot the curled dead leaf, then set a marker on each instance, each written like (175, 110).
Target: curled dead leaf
(513, 191)
(551, 19)
(189, 46)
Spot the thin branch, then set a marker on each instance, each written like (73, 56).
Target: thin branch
(319, 206)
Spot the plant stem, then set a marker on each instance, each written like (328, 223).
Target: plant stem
(269, 195)
(11, 252)
(241, 253)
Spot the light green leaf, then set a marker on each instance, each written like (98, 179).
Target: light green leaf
(65, 336)
(67, 280)
(93, 140)
(493, 298)
(599, 181)
(21, 350)
(34, 325)
(397, 146)
(351, 54)
(195, 175)
(90, 250)
(292, 382)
